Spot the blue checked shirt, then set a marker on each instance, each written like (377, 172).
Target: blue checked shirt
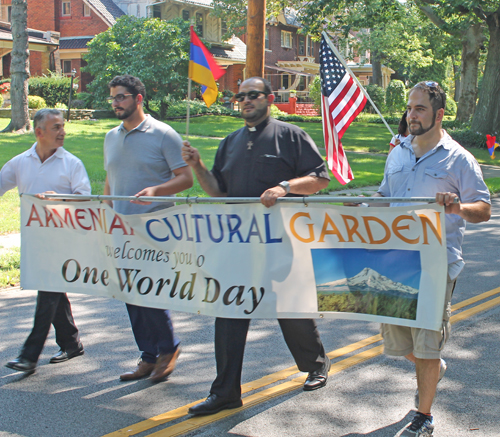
(446, 168)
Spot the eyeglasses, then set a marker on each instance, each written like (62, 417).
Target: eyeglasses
(118, 98)
(252, 95)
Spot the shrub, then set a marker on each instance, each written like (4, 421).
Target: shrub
(451, 107)
(60, 105)
(395, 96)
(53, 88)
(276, 112)
(87, 98)
(1, 100)
(297, 118)
(315, 92)
(178, 108)
(78, 104)
(36, 102)
(4, 87)
(377, 94)
(467, 138)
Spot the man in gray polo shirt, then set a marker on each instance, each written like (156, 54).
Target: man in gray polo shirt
(142, 157)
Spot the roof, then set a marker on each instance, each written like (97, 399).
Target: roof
(74, 43)
(107, 9)
(238, 52)
(291, 17)
(206, 3)
(34, 36)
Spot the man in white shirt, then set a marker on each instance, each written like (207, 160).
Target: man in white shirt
(47, 168)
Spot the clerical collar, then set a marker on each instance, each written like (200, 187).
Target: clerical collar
(252, 129)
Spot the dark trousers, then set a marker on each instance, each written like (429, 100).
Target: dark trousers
(153, 331)
(51, 309)
(301, 337)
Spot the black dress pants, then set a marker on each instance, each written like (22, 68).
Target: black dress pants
(301, 337)
(51, 309)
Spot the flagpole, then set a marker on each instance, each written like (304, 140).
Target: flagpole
(187, 113)
(341, 59)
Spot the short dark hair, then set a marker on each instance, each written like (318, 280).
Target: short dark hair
(403, 124)
(268, 89)
(437, 96)
(133, 84)
(42, 114)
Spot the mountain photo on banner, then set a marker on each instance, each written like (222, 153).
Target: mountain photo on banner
(341, 101)
(368, 281)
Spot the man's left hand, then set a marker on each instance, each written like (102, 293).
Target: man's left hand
(148, 192)
(448, 200)
(270, 196)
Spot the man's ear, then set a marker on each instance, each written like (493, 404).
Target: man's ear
(139, 98)
(270, 99)
(440, 114)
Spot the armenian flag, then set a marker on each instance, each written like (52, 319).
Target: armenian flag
(492, 145)
(203, 69)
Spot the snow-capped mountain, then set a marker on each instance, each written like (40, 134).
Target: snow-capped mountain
(368, 280)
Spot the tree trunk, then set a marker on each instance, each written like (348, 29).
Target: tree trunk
(376, 69)
(456, 75)
(19, 69)
(471, 44)
(487, 116)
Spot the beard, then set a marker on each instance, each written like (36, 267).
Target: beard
(420, 130)
(257, 114)
(126, 113)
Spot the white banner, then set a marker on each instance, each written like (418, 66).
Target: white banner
(245, 261)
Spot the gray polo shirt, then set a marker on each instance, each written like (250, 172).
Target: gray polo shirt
(141, 158)
(446, 168)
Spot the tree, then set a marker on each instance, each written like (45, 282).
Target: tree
(395, 96)
(19, 69)
(156, 51)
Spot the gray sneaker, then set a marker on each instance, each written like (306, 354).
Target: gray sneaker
(442, 370)
(420, 426)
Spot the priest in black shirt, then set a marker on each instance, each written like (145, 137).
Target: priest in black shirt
(270, 159)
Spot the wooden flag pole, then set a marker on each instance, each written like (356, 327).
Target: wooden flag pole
(344, 63)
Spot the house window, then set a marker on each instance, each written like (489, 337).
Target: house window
(310, 46)
(199, 23)
(156, 11)
(86, 10)
(285, 81)
(302, 45)
(66, 9)
(266, 39)
(185, 15)
(286, 39)
(223, 28)
(66, 67)
(138, 11)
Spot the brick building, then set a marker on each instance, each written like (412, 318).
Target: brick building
(75, 22)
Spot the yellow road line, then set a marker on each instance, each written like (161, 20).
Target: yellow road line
(249, 401)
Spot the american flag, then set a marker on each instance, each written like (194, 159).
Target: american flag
(341, 101)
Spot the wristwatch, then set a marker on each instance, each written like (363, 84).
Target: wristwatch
(285, 185)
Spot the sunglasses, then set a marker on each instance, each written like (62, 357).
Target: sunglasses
(432, 84)
(118, 98)
(252, 95)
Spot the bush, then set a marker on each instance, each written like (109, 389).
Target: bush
(377, 94)
(78, 104)
(36, 102)
(53, 88)
(276, 112)
(395, 96)
(315, 93)
(1, 100)
(467, 138)
(297, 118)
(451, 107)
(178, 108)
(87, 98)
(60, 105)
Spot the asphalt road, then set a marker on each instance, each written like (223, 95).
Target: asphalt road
(367, 394)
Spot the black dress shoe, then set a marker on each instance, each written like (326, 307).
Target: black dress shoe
(318, 378)
(213, 404)
(22, 365)
(62, 355)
